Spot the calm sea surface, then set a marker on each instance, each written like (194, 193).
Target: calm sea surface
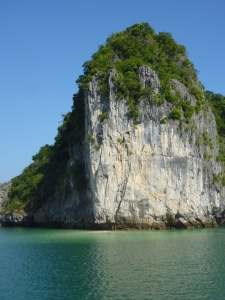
(55, 264)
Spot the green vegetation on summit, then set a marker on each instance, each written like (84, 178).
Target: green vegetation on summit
(138, 45)
(125, 51)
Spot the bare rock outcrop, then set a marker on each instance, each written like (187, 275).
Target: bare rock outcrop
(152, 174)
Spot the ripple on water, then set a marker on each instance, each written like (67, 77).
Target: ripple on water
(70, 264)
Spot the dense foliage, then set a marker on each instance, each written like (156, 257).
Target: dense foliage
(126, 51)
(217, 102)
(138, 45)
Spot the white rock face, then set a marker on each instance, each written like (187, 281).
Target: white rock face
(151, 174)
(157, 173)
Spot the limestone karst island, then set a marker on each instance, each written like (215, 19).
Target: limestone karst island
(142, 147)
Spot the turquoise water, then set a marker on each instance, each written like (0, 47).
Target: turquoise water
(69, 264)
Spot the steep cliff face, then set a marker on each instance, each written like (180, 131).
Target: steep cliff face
(150, 174)
(155, 172)
(139, 149)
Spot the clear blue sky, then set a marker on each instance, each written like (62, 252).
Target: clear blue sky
(44, 44)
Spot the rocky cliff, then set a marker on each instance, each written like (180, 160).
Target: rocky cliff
(4, 189)
(8, 218)
(156, 173)
(152, 171)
